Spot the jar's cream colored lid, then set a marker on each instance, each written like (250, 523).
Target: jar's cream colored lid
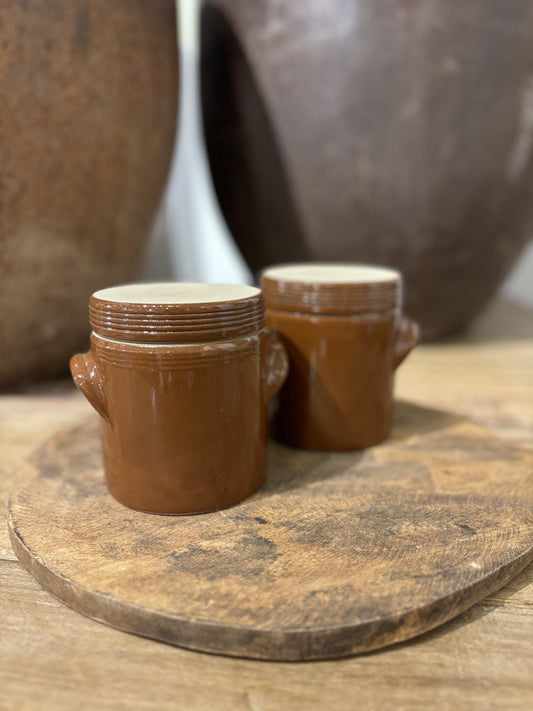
(176, 312)
(332, 273)
(175, 293)
(332, 288)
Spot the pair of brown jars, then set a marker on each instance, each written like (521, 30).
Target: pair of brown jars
(181, 375)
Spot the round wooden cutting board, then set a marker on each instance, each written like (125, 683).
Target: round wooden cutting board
(338, 553)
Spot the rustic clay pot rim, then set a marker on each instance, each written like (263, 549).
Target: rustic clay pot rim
(331, 273)
(177, 292)
(176, 312)
(326, 288)
(179, 338)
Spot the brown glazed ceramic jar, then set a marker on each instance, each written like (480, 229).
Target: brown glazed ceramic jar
(345, 335)
(181, 375)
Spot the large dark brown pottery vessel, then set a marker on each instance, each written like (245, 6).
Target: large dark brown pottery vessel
(396, 133)
(88, 92)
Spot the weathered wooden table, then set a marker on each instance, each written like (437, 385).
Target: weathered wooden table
(54, 658)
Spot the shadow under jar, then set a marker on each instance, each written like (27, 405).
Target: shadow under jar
(181, 374)
(345, 335)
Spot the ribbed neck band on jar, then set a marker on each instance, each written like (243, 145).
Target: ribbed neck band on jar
(332, 288)
(176, 312)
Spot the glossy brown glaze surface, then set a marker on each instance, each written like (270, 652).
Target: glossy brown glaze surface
(339, 391)
(183, 425)
(158, 319)
(338, 394)
(395, 132)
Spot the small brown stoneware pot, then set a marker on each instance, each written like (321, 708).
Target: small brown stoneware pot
(345, 336)
(181, 375)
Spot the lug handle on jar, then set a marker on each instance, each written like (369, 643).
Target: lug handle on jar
(89, 380)
(406, 337)
(275, 366)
